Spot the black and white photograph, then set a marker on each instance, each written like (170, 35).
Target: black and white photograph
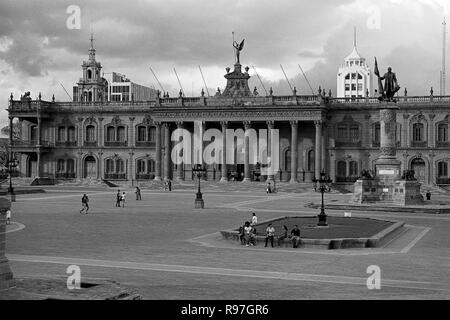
(224, 155)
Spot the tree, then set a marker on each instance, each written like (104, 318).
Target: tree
(16, 131)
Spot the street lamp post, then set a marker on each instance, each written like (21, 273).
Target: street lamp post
(199, 170)
(12, 163)
(322, 185)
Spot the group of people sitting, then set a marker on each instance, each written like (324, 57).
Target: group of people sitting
(247, 234)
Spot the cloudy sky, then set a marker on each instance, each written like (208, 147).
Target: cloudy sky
(38, 51)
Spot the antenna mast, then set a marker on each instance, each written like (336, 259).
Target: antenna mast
(287, 78)
(157, 80)
(260, 80)
(304, 75)
(204, 82)
(443, 57)
(66, 91)
(181, 87)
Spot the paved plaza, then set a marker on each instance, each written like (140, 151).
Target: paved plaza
(165, 249)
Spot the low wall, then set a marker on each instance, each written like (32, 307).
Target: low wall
(336, 243)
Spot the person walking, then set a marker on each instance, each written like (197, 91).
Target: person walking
(169, 184)
(138, 194)
(8, 216)
(122, 198)
(268, 189)
(270, 233)
(85, 204)
(118, 198)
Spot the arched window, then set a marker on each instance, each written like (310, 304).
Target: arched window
(142, 132)
(311, 160)
(347, 77)
(60, 167)
(442, 169)
(61, 134)
(418, 131)
(376, 133)
(70, 165)
(287, 160)
(353, 168)
(341, 169)
(110, 134)
(71, 133)
(150, 166)
(89, 74)
(151, 134)
(141, 166)
(90, 96)
(121, 134)
(442, 132)
(120, 168)
(90, 133)
(109, 166)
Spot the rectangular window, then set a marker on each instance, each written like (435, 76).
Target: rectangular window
(353, 86)
(151, 134)
(354, 133)
(342, 133)
(347, 87)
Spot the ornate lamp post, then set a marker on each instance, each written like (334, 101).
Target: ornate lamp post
(199, 170)
(322, 185)
(12, 163)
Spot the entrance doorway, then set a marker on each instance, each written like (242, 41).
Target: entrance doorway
(90, 168)
(418, 165)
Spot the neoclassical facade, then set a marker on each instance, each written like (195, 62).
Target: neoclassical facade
(131, 142)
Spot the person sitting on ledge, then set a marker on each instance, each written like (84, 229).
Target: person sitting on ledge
(295, 233)
(283, 236)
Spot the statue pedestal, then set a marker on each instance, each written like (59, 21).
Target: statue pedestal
(407, 193)
(366, 191)
(6, 276)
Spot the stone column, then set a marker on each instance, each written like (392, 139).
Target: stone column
(131, 134)
(80, 165)
(80, 132)
(247, 126)
(294, 150)
(431, 136)
(224, 177)
(323, 152)
(158, 151)
(6, 275)
(130, 167)
(166, 151)
(318, 149)
(270, 127)
(180, 167)
(101, 173)
(101, 142)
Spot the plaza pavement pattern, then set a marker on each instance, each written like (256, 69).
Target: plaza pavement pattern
(165, 249)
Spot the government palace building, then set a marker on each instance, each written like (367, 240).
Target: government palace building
(127, 140)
